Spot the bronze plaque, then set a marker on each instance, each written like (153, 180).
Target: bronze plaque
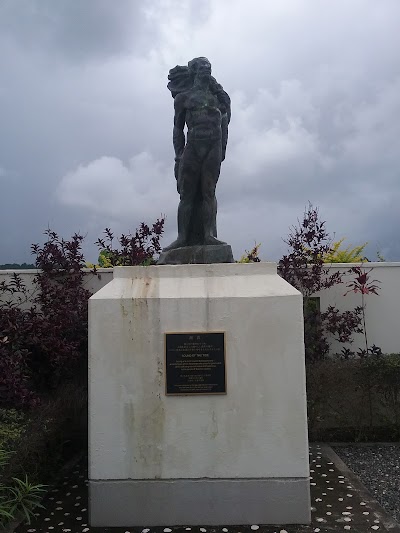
(195, 363)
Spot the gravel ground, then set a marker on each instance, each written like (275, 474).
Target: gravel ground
(378, 467)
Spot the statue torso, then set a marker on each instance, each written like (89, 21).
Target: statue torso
(203, 116)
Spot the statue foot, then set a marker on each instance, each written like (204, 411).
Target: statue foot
(179, 243)
(212, 241)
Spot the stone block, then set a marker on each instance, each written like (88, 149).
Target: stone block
(241, 457)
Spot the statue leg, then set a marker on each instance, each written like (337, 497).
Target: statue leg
(209, 178)
(188, 178)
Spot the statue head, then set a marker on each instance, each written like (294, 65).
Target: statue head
(200, 67)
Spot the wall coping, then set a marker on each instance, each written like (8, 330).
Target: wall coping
(372, 264)
(36, 271)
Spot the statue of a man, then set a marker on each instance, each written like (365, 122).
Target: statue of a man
(204, 107)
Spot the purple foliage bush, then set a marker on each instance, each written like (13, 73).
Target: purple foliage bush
(304, 268)
(135, 249)
(43, 346)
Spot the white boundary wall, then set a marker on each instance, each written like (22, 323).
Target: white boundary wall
(92, 282)
(382, 311)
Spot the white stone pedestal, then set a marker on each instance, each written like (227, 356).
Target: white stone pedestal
(239, 458)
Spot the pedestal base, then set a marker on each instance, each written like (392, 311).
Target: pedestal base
(200, 255)
(234, 458)
(207, 502)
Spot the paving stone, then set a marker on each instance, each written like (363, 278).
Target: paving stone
(339, 503)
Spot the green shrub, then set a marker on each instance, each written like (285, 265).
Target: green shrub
(12, 425)
(57, 432)
(251, 256)
(337, 254)
(20, 499)
(356, 399)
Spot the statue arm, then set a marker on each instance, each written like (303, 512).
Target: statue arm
(179, 124)
(225, 102)
(224, 130)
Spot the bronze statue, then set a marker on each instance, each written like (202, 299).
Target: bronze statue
(204, 107)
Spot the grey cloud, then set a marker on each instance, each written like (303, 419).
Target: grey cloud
(77, 30)
(315, 106)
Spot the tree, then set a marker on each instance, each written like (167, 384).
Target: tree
(17, 266)
(304, 268)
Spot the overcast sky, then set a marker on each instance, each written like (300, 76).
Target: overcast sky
(86, 117)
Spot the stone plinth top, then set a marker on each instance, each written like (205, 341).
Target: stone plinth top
(219, 280)
(196, 270)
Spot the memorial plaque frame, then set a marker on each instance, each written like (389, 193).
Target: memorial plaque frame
(175, 365)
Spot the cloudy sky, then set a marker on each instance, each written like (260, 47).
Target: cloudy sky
(86, 117)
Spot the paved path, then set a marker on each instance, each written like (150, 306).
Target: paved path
(339, 503)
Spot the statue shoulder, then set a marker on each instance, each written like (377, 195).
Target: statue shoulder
(180, 100)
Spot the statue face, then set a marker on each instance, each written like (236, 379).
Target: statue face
(203, 69)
